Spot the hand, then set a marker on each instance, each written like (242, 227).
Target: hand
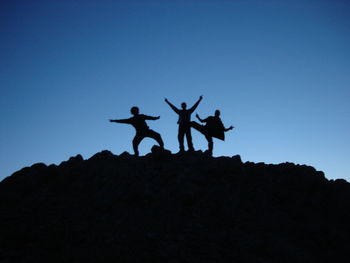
(231, 127)
(157, 117)
(197, 115)
(200, 97)
(166, 100)
(111, 120)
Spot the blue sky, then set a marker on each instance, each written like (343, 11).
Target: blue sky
(279, 71)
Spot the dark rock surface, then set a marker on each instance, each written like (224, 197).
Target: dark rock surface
(173, 208)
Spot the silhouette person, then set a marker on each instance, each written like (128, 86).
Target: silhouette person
(142, 130)
(213, 128)
(184, 123)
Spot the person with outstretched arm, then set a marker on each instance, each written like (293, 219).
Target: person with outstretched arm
(138, 121)
(184, 123)
(213, 128)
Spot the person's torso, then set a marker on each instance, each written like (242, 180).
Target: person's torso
(215, 128)
(139, 123)
(214, 124)
(184, 117)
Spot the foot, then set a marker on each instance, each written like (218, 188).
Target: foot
(181, 151)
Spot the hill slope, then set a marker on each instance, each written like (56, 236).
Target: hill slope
(173, 208)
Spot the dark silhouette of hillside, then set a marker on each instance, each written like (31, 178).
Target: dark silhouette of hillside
(173, 208)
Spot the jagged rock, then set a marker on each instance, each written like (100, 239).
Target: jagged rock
(158, 150)
(125, 155)
(162, 207)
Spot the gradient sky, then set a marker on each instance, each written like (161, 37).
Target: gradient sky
(279, 71)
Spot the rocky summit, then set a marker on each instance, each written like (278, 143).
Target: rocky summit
(165, 207)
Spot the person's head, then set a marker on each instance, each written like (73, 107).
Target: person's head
(134, 110)
(217, 113)
(183, 105)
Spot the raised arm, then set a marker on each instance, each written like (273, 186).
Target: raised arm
(196, 104)
(201, 120)
(127, 121)
(172, 106)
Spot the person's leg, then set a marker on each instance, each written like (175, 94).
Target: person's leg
(197, 127)
(135, 143)
(189, 138)
(156, 136)
(180, 137)
(202, 129)
(210, 144)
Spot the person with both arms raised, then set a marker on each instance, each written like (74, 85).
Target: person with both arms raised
(184, 123)
(142, 130)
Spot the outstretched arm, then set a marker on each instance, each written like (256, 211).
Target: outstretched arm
(229, 128)
(127, 121)
(151, 117)
(172, 106)
(201, 120)
(196, 104)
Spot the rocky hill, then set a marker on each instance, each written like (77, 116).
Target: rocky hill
(173, 208)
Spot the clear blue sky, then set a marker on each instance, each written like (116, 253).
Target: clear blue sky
(279, 71)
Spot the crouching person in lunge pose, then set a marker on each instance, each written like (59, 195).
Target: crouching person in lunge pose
(213, 128)
(142, 130)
